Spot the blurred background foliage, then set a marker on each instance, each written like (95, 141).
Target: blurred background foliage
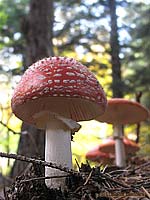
(81, 30)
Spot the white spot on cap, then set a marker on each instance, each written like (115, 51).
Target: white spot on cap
(28, 93)
(70, 74)
(35, 97)
(70, 67)
(59, 70)
(72, 81)
(80, 75)
(49, 81)
(46, 89)
(58, 86)
(33, 90)
(57, 81)
(46, 70)
(75, 95)
(68, 91)
(56, 75)
(71, 87)
(48, 73)
(62, 64)
(52, 65)
(66, 81)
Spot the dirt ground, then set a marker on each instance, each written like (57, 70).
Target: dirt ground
(109, 183)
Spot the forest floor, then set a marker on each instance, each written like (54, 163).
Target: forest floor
(109, 183)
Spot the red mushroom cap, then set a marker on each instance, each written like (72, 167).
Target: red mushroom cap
(123, 111)
(60, 85)
(108, 146)
(100, 157)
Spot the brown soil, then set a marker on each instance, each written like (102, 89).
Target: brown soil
(131, 183)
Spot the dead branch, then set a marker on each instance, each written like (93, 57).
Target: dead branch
(35, 161)
(42, 178)
(9, 129)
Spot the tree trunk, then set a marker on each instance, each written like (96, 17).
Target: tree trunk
(138, 126)
(38, 32)
(117, 85)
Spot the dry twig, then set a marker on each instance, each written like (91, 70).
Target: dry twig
(146, 192)
(35, 161)
(9, 129)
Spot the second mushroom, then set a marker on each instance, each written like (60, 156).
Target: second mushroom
(120, 112)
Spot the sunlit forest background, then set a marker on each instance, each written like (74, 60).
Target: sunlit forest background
(81, 29)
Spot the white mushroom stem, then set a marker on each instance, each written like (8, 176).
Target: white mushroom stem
(119, 146)
(58, 148)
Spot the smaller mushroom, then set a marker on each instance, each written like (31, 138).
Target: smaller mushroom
(109, 146)
(96, 155)
(120, 112)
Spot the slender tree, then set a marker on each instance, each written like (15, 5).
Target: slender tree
(138, 125)
(117, 86)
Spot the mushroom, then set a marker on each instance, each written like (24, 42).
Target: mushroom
(96, 155)
(120, 112)
(105, 152)
(108, 146)
(54, 94)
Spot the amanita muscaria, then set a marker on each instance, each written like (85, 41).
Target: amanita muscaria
(120, 112)
(108, 146)
(105, 152)
(96, 155)
(54, 94)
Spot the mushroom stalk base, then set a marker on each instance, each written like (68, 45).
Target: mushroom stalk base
(57, 150)
(119, 146)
